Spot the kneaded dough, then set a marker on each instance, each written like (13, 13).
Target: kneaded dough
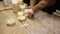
(22, 18)
(10, 22)
(20, 13)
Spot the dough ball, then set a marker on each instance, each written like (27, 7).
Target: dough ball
(11, 22)
(22, 18)
(20, 13)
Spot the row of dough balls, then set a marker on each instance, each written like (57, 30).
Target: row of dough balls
(22, 16)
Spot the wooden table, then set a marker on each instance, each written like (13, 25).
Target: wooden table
(41, 24)
(2, 7)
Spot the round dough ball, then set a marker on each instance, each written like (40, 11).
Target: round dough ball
(22, 18)
(10, 22)
(20, 13)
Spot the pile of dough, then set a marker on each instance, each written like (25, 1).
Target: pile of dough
(20, 13)
(22, 18)
(11, 22)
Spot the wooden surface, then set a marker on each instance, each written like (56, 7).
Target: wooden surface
(4, 29)
(41, 24)
(2, 7)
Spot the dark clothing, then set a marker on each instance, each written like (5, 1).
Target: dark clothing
(1, 0)
(27, 2)
(49, 9)
(58, 4)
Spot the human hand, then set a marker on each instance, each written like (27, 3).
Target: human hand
(30, 12)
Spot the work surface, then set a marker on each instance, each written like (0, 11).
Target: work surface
(41, 24)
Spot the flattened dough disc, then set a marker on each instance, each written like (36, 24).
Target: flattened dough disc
(11, 22)
(22, 18)
(20, 13)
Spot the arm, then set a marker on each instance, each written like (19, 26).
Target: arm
(43, 4)
(32, 3)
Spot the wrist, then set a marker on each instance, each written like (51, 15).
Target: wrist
(34, 9)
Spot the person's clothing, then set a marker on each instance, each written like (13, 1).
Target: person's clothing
(57, 13)
(49, 9)
(1, 0)
(28, 2)
(58, 4)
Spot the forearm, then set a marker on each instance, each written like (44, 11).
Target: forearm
(32, 3)
(42, 4)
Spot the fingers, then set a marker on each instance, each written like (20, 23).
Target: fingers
(30, 12)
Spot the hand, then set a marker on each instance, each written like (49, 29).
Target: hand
(30, 12)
